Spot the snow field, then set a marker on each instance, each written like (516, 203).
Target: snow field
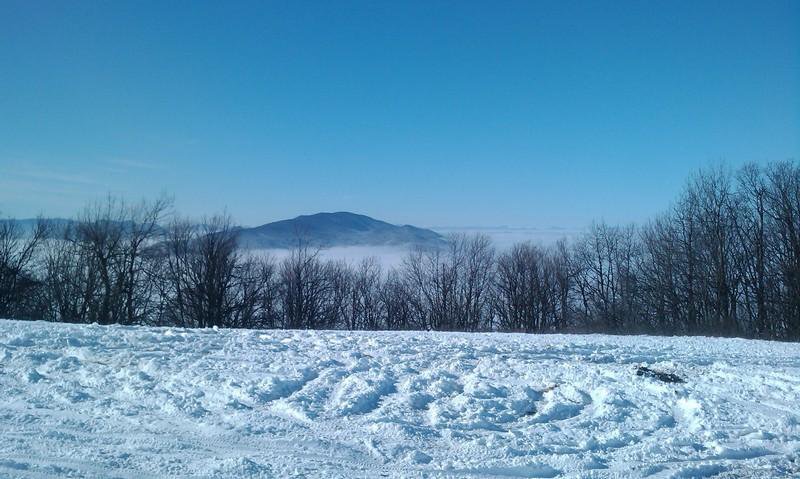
(135, 402)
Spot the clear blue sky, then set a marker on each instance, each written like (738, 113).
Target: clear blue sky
(431, 112)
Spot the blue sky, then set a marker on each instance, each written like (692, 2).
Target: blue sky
(431, 112)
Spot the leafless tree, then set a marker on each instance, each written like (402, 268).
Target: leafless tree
(18, 275)
(476, 278)
(365, 308)
(723, 260)
(396, 302)
(532, 288)
(305, 289)
(97, 270)
(203, 275)
(783, 211)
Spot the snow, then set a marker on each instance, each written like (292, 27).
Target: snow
(136, 402)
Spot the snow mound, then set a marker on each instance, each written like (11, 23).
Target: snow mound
(91, 401)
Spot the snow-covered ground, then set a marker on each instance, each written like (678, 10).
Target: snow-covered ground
(133, 402)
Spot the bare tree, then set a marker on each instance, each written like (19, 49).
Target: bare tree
(212, 268)
(365, 305)
(201, 268)
(717, 209)
(97, 270)
(431, 277)
(136, 258)
(476, 278)
(663, 306)
(70, 280)
(18, 278)
(532, 288)
(172, 274)
(396, 302)
(304, 288)
(783, 211)
(751, 233)
(99, 234)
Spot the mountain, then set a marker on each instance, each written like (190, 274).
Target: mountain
(336, 229)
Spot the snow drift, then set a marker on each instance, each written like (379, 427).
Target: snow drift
(92, 401)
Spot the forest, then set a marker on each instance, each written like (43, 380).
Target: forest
(722, 260)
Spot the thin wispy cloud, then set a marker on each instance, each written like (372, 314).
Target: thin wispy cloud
(50, 175)
(37, 187)
(64, 187)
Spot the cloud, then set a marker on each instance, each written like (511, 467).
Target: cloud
(32, 183)
(28, 187)
(50, 175)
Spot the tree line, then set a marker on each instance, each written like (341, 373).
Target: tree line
(724, 260)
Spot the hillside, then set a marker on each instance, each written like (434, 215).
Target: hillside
(336, 229)
(92, 401)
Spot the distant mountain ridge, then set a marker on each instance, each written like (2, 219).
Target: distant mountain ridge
(336, 229)
(322, 230)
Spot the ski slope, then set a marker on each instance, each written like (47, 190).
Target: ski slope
(136, 402)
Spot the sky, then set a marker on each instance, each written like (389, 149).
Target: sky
(434, 113)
